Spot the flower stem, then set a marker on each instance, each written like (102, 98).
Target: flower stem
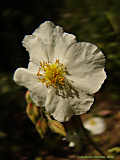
(77, 120)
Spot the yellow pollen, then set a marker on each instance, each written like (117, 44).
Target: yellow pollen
(92, 122)
(52, 74)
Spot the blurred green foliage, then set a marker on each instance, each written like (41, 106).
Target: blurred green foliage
(96, 21)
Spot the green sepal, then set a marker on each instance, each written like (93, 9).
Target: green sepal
(41, 126)
(28, 98)
(32, 112)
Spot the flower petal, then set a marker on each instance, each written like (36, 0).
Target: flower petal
(51, 101)
(81, 104)
(63, 108)
(63, 41)
(45, 32)
(36, 48)
(29, 80)
(55, 39)
(58, 107)
(88, 67)
(32, 67)
(48, 42)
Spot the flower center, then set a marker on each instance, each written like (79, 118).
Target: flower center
(92, 122)
(52, 74)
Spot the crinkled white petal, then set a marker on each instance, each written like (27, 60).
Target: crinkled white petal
(24, 78)
(51, 101)
(36, 48)
(58, 106)
(56, 40)
(95, 125)
(45, 32)
(29, 80)
(63, 41)
(63, 111)
(32, 67)
(81, 104)
(48, 42)
(63, 108)
(85, 63)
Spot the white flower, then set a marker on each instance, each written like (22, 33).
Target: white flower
(95, 125)
(62, 75)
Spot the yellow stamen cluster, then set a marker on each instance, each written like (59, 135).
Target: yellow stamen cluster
(52, 74)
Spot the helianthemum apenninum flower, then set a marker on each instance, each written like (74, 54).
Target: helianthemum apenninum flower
(62, 75)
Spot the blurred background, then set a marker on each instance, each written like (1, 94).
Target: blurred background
(94, 21)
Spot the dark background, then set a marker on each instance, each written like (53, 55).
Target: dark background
(95, 21)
